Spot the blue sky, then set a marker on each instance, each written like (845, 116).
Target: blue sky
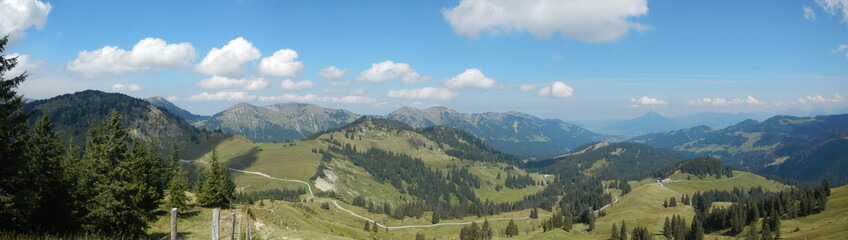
(579, 60)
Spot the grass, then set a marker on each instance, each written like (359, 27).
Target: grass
(830, 224)
(742, 180)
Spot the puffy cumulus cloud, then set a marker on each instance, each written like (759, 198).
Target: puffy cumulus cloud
(18, 15)
(470, 78)
(221, 82)
(527, 87)
(130, 87)
(809, 14)
(750, 100)
(556, 90)
(423, 93)
(172, 98)
(222, 96)
(315, 98)
(646, 101)
(288, 84)
(835, 7)
(149, 53)
(228, 60)
(383, 71)
(582, 20)
(332, 73)
(282, 64)
(837, 98)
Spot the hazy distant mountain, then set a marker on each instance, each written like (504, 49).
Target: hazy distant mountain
(511, 132)
(653, 122)
(277, 123)
(648, 123)
(73, 114)
(798, 147)
(164, 103)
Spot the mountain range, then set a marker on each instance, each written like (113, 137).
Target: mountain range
(804, 148)
(653, 122)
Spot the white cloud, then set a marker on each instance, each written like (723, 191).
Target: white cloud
(750, 100)
(556, 90)
(470, 78)
(646, 101)
(809, 14)
(527, 87)
(423, 93)
(229, 60)
(172, 98)
(18, 15)
(380, 72)
(582, 20)
(841, 49)
(222, 96)
(837, 98)
(149, 53)
(315, 98)
(835, 7)
(288, 84)
(338, 83)
(332, 73)
(25, 64)
(221, 82)
(130, 87)
(282, 64)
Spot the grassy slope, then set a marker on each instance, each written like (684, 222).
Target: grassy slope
(831, 224)
(743, 180)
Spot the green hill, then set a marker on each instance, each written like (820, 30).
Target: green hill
(619, 161)
(73, 114)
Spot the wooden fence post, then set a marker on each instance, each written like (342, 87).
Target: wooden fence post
(216, 218)
(233, 227)
(247, 231)
(173, 223)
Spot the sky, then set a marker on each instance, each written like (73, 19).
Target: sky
(576, 60)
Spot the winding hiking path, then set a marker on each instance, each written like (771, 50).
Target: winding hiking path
(312, 195)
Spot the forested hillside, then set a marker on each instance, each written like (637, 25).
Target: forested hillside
(622, 161)
(73, 114)
(793, 147)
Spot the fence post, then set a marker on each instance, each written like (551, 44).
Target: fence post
(173, 223)
(233, 227)
(247, 232)
(216, 218)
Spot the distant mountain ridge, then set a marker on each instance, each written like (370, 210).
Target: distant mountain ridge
(164, 103)
(803, 148)
(278, 122)
(653, 122)
(511, 132)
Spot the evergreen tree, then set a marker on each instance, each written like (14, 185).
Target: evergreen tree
(367, 226)
(375, 227)
(177, 187)
(218, 188)
(486, 231)
(623, 233)
(435, 217)
(534, 214)
(420, 236)
(117, 202)
(614, 233)
(50, 181)
(17, 198)
(667, 232)
(696, 232)
(511, 229)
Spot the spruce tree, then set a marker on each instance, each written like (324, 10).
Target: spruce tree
(177, 187)
(51, 184)
(218, 188)
(486, 231)
(367, 226)
(511, 229)
(16, 197)
(667, 232)
(614, 233)
(623, 233)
